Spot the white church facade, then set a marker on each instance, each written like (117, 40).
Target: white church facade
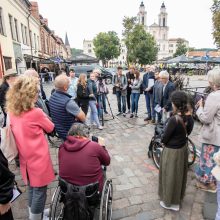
(160, 31)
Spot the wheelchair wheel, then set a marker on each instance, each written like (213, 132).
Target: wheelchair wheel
(106, 201)
(156, 153)
(192, 152)
(57, 206)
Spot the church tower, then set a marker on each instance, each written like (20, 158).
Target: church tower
(142, 15)
(162, 17)
(67, 44)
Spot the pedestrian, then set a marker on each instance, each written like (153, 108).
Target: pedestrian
(209, 114)
(135, 93)
(157, 98)
(130, 79)
(8, 80)
(6, 189)
(102, 91)
(29, 125)
(63, 109)
(148, 82)
(73, 84)
(83, 93)
(94, 119)
(168, 88)
(120, 84)
(174, 158)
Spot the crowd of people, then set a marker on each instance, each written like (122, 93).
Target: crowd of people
(23, 101)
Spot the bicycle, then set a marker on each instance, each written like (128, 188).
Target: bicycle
(156, 147)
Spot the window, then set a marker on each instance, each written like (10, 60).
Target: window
(16, 30)
(7, 61)
(89, 51)
(164, 36)
(26, 36)
(171, 45)
(38, 43)
(12, 27)
(22, 33)
(164, 22)
(170, 51)
(1, 23)
(31, 38)
(89, 45)
(35, 42)
(142, 20)
(164, 47)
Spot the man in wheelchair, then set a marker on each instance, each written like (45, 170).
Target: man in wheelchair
(81, 174)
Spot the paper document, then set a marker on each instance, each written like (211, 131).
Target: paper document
(150, 83)
(158, 108)
(16, 194)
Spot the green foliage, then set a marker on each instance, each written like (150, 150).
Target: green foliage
(181, 48)
(76, 52)
(141, 46)
(107, 46)
(216, 21)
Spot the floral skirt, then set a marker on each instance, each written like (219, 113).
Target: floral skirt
(206, 163)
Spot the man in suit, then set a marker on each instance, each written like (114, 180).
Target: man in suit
(130, 79)
(168, 88)
(148, 91)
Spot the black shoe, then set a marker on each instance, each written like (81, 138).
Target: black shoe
(131, 116)
(147, 119)
(153, 121)
(106, 112)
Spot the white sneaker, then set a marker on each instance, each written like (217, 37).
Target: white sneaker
(172, 207)
(100, 127)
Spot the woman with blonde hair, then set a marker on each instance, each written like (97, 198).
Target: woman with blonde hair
(82, 93)
(29, 125)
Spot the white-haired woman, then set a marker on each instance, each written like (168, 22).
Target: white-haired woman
(209, 115)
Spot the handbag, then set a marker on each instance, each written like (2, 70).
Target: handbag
(8, 144)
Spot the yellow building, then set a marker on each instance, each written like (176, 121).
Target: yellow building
(19, 35)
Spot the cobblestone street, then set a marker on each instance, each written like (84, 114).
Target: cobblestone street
(135, 178)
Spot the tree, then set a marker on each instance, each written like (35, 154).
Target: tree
(216, 21)
(76, 52)
(181, 48)
(106, 46)
(141, 46)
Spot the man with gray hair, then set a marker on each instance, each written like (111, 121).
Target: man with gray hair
(63, 109)
(168, 88)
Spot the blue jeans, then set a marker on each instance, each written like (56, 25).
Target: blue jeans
(37, 199)
(134, 100)
(94, 113)
(149, 105)
(121, 100)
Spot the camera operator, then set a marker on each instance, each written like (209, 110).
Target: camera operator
(77, 148)
(102, 91)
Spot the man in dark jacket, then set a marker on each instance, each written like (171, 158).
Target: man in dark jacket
(8, 80)
(6, 189)
(78, 148)
(64, 110)
(148, 82)
(130, 79)
(168, 88)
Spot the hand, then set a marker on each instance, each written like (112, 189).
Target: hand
(129, 80)
(164, 110)
(200, 103)
(91, 95)
(147, 89)
(4, 208)
(101, 141)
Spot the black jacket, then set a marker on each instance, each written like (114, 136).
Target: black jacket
(166, 101)
(3, 90)
(6, 181)
(82, 93)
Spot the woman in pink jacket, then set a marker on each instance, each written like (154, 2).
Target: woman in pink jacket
(29, 125)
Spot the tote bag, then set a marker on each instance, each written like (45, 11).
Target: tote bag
(8, 144)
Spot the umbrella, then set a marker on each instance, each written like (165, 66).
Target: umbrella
(216, 59)
(205, 59)
(180, 59)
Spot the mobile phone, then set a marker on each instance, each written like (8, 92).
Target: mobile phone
(95, 139)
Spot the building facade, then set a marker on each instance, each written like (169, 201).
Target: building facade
(160, 31)
(25, 38)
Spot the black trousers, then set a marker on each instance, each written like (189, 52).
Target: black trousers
(129, 99)
(7, 216)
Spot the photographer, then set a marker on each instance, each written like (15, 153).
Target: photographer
(77, 148)
(120, 83)
(102, 91)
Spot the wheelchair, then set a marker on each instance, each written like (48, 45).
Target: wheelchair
(99, 206)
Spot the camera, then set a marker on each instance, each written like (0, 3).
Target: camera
(95, 139)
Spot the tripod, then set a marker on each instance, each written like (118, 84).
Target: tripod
(101, 108)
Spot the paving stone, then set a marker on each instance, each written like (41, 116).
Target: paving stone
(134, 200)
(120, 203)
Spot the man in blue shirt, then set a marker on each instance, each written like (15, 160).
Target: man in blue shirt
(73, 84)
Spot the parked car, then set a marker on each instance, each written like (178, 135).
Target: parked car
(87, 69)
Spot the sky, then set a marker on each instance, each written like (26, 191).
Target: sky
(84, 19)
